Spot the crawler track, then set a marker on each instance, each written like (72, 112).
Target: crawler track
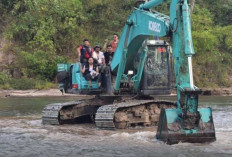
(68, 112)
(51, 113)
(130, 113)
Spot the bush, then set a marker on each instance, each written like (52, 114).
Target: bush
(25, 83)
(4, 77)
(22, 84)
(40, 64)
(40, 84)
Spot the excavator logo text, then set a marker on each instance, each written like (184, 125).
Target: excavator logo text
(153, 26)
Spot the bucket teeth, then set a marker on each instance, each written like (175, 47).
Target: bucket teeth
(173, 128)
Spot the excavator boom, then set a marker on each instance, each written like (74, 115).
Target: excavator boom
(186, 123)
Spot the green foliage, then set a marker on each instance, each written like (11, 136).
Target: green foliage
(220, 9)
(39, 64)
(4, 77)
(46, 25)
(41, 84)
(212, 45)
(22, 83)
(6, 82)
(25, 83)
(45, 32)
(203, 31)
(225, 36)
(106, 16)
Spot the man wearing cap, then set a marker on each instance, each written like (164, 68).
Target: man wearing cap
(98, 55)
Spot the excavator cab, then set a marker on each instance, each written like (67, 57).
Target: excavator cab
(155, 70)
(156, 77)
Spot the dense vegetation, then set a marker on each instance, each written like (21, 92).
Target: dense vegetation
(40, 34)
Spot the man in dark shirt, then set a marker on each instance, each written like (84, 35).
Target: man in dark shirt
(106, 71)
(108, 54)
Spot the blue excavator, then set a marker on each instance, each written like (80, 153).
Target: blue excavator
(139, 63)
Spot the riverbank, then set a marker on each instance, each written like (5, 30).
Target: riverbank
(214, 91)
(56, 92)
(32, 93)
(217, 91)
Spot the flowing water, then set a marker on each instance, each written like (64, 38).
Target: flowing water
(22, 134)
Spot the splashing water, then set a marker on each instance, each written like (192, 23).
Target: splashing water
(22, 134)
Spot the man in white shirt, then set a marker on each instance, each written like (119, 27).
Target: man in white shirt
(98, 55)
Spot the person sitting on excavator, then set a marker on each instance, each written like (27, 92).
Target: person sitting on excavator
(91, 72)
(84, 51)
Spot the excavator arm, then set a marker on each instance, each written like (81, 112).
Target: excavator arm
(141, 24)
(187, 123)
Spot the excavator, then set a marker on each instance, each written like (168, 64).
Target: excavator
(142, 68)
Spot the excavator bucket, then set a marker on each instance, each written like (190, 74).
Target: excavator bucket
(175, 126)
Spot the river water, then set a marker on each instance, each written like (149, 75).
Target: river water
(22, 134)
